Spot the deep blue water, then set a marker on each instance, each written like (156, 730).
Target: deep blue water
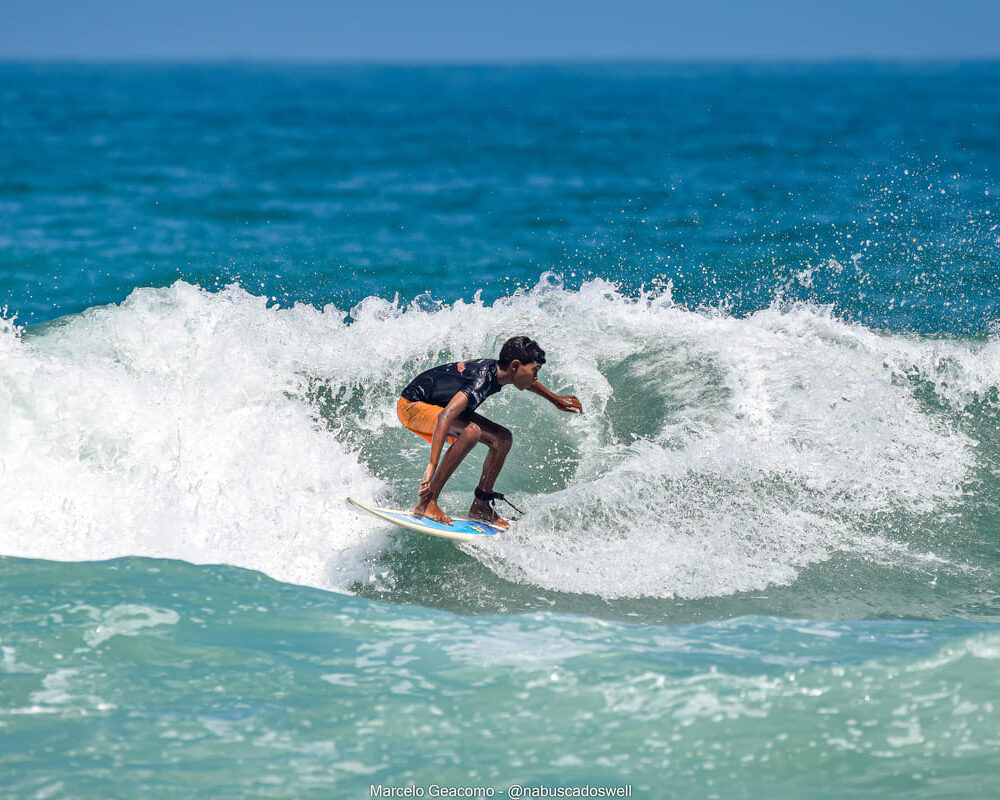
(328, 184)
(762, 563)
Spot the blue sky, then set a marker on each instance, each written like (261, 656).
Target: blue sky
(512, 30)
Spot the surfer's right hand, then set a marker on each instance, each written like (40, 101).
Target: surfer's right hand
(425, 482)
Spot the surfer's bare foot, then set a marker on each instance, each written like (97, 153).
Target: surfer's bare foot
(431, 509)
(482, 510)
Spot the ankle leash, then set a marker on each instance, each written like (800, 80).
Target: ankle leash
(489, 497)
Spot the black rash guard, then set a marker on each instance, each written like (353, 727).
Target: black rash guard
(477, 379)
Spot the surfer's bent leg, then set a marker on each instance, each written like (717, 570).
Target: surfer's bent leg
(499, 440)
(468, 434)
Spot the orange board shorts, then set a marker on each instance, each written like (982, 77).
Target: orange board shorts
(419, 417)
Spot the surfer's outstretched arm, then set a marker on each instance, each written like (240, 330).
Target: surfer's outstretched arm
(564, 402)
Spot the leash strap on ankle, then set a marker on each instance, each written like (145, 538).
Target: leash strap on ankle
(489, 497)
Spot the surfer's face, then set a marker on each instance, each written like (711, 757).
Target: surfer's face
(525, 374)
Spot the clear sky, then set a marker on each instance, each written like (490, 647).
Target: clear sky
(509, 30)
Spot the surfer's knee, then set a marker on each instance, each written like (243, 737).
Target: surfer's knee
(473, 431)
(504, 440)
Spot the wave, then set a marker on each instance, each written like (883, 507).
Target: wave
(717, 453)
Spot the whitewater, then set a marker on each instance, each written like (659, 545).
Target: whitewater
(717, 454)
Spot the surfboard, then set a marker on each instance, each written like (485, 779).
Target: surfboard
(461, 529)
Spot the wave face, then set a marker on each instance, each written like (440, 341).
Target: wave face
(718, 454)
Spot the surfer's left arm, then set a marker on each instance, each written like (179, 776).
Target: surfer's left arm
(564, 402)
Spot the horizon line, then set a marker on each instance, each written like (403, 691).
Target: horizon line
(487, 62)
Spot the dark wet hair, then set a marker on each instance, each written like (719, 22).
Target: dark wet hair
(522, 349)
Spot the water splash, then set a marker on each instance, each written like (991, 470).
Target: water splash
(717, 453)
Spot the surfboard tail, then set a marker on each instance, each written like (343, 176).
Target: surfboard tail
(461, 529)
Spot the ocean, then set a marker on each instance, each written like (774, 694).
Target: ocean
(763, 563)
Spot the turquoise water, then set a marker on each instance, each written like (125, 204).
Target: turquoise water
(762, 563)
(160, 678)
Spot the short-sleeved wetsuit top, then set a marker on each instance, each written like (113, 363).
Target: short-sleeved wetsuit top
(477, 379)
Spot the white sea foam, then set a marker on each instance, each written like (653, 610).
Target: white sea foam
(171, 426)
(128, 620)
(818, 434)
(716, 454)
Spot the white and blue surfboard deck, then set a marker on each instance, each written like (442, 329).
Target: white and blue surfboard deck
(461, 530)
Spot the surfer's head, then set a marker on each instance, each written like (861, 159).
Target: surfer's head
(522, 358)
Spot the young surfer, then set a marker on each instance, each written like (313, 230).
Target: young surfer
(440, 404)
